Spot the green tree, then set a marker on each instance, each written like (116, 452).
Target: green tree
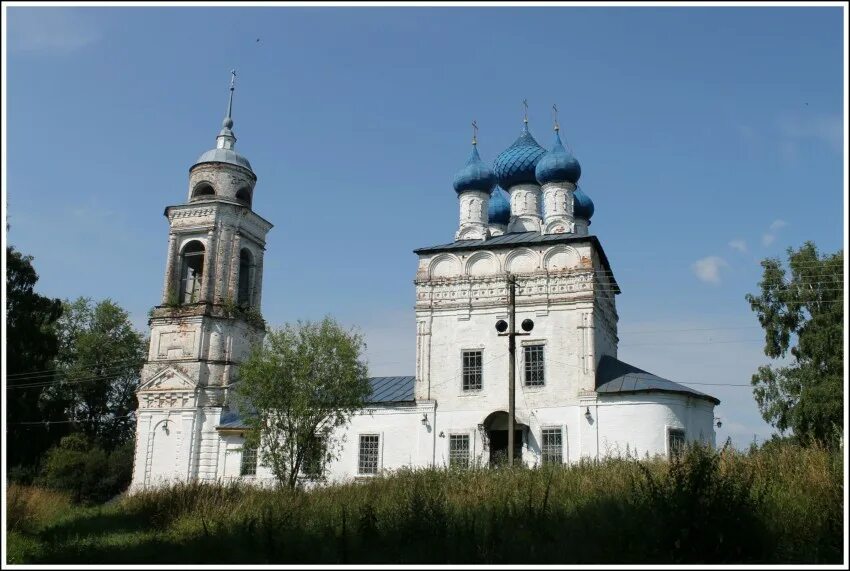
(100, 359)
(802, 313)
(295, 389)
(31, 345)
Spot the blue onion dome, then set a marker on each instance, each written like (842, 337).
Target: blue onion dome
(499, 210)
(515, 165)
(558, 165)
(475, 175)
(582, 205)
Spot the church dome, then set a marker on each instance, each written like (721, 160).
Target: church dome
(475, 175)
(499, 210)
(582, 205)
(558, 165)
(224, 156)
(515, 165)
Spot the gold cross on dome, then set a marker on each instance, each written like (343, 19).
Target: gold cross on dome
(232, 79)
(525, 104)
(474, 132)
(555, 114)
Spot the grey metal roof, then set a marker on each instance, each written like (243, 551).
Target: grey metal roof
(513, 239)
(614, 376)
(391, 389)
(224, 156)
(385, 390)
(505, 240)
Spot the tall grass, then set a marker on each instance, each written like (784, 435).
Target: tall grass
(780, 505)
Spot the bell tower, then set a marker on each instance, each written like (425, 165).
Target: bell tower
(208, 317)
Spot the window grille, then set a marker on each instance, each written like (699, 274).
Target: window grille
(675, 443)
(458, 450)
(533, 356)
(248, 466)
(552, 446)
(368, 460)
(472, 370)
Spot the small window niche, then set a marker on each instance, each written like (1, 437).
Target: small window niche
(244, 195)
(203, 191)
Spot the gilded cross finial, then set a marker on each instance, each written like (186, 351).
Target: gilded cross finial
(474, 132)
(555, 114)
(525, 105)
(232, 79)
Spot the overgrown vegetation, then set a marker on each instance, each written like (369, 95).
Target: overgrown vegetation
(250, 314)
(781, 503)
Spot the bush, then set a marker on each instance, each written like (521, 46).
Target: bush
(85, 470)
(703, 510)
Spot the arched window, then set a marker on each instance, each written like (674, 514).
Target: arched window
(202, 190)
(244, 194)
(246, 266)
(191, 272)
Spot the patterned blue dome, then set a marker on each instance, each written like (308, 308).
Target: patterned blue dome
(558, 165)
(582, 205)
(475, 175)
(499, 211)
(515, 165)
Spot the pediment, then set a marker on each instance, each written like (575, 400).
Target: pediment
(169, 379)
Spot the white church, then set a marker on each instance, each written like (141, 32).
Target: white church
(525, 216)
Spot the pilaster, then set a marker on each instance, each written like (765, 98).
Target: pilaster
(170, 263)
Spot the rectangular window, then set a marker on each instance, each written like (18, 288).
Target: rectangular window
(248, 467)
(675, 443)
(458, 450)
(552, 446)
(311, 465)
(533, 356)
(472, 370)
(368, 461)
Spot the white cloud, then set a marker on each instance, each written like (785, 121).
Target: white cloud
(708, 269)
(827, 129)
(49, 29)
(770, 236)
(739, 245)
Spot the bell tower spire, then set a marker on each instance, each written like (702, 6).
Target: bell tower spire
(226, 139)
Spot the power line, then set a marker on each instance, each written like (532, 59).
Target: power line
(64, 382)
(48, 372)
(48, 422)
(645, 331)
(693, 342)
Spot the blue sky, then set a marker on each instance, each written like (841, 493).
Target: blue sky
(709, 138)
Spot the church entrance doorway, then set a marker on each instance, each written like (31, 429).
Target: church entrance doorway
(499, 447)
(495, 428)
